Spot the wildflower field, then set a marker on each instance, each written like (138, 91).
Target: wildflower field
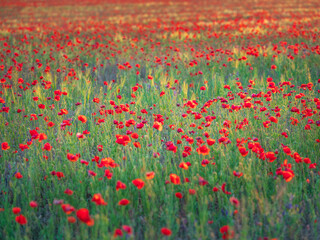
(160, 119)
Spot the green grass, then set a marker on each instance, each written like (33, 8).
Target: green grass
(269, 206)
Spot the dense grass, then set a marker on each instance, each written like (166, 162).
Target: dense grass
(202, 70)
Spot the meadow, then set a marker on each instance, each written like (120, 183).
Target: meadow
(160, 119)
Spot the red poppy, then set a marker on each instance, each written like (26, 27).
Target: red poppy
(67, 208)
(226, 232)
(72, 219)
(47, 147)
(137, 144)
(192, 191)
(98, 200)
(234, 201)
(120, 185)
(16, 210)
(183, 165)
(5, 146)
(223, 186)
(123, 202)
(123, 139)
(72, 157)
(118, 233)
(204, 150)
(166, 231)
(237, 174)
(150, 175)
(158, 126)
(243, 151)
(21, 219)
(288, 175)
(127, 229)
(82, 118)
(135, 135)
(33, 204)
(83, 216)
(18, 175)
(68, 191)
(139, 183)
(179, 195)
(211, 141)
(175, 179)
(271, 156)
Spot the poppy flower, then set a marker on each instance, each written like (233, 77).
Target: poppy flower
(139, 183)
(18, 175)
(120, 185)
(123, 139)
(204, 162)
(183, 165)
(271, 156)
(273, 119)
(158, 126)
(82, 118)
(215, 189)
(204, 150)
(243, 151)
(223, 188)
(211, 141)
(179, 195)
(175, 179)
(234, 201)
(135, 135)
(118, 233)
(72, 219)
(137, 144)
(21, 219)
(123, 202)
(107, 162)
(288, 175)
(202, 181)
(5, 146)
(67, 208)
(83, 216)
(72, 157)
(237, 174)
(166, 231)
(226, 232)
(47, 147)
(33, 204)
(98, 200)
(192, 191)
(127, 229)
(16, 210)
(150, 175)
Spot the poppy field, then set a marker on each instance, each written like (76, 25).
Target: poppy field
(160, 119)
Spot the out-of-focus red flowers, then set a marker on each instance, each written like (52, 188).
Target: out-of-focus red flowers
(123, 139)
(175, 179)
(82, 118)
(5, 146)
(166, 231)
(139, 183)
(123, 202)
(21, 219)
(83, 216)
(204, 150)
(98, 200)
(226, 232)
